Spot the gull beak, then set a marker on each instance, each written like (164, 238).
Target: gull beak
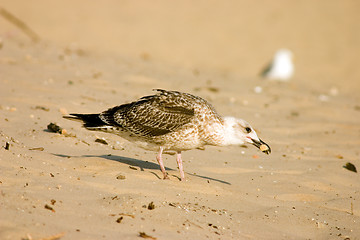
(262, 146)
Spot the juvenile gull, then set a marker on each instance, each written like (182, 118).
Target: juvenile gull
(172, 121)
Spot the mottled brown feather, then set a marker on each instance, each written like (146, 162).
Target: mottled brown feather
(153, 115)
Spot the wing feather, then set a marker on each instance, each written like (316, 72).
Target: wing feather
(153, 115)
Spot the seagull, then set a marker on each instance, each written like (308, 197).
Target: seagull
(281, 68)
(172, 121)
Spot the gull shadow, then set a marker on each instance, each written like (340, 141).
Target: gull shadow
(142, 165)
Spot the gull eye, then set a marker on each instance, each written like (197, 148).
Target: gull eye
(248, 130)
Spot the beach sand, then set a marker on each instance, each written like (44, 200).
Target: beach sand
(92, 56)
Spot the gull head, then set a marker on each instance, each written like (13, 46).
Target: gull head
(239, 132)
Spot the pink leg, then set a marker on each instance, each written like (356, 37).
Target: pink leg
(161, 163)
(180, 165)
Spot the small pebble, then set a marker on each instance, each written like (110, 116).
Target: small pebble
(351, 167)
(258, 89)
(121, 177)
(151, 206)
(119, 219)
(54, 128)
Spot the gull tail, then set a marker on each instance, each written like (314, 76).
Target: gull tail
(90, 121)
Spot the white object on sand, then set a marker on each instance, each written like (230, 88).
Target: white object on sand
(281, 67)
(171, 120)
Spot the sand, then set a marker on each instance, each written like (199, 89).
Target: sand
(92, 56)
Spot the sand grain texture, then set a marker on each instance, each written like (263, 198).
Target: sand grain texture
(94, 56)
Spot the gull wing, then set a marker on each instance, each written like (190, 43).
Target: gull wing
(153, 115)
